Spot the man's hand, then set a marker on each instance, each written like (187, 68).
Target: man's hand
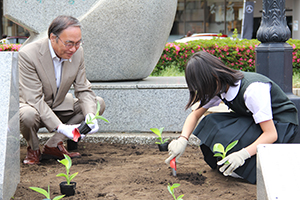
(94, 125)
(176, 149)
(235, 160)
(67, 130)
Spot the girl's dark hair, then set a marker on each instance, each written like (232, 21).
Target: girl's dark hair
(207, 76)
(61, 23)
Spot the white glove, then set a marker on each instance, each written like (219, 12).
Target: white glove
(67, 130)
(235, 160)
(94, 125)
(176, 149)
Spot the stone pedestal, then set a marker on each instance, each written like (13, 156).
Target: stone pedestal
(9, 123)
(277, 171)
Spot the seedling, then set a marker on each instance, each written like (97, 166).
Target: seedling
(45, 193)
(158, 132)
(89, 120)
(67, 162)
(171, 190)
(218, 147)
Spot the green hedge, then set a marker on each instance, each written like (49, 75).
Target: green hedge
(237, 54)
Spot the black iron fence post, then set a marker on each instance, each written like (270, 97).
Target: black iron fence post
(274, 55)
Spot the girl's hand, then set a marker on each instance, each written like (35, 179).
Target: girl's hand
(235, 160)
(176, 149)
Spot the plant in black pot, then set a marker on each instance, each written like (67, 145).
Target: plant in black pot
(45, 193)
(84, 128)
(67, 187)
(162, 144)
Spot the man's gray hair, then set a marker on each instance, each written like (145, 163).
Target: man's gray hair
(61, 23)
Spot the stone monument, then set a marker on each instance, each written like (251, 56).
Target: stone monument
(123, 40)
(9, 123)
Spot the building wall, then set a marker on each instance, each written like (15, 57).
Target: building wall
(296, 19)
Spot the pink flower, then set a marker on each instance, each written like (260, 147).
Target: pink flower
(250, 60)
(294, 46)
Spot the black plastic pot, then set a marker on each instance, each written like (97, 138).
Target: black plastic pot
(84, 128)
(68, 190)
(71, 145)
(163, 147)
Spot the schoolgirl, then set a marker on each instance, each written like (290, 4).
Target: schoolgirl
(261, 113)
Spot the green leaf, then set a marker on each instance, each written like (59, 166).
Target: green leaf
(161, 130)
(156, 131)
(62, 174)
(169, 189)
(98, 108)
(175, 185)
(102, 118)
(58, 197)
(166, 140)
(231, 145)
(157, 143)
(73, 176)
(218, 147)
(69, 163)
(180, 197)
(64, 162)
(41, 191)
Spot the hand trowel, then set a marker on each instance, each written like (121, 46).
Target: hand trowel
(173, 166)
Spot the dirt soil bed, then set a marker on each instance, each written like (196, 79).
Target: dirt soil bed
(121, 172)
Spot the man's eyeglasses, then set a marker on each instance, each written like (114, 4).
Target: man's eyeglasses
(70, 44)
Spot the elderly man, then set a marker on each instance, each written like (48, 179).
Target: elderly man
(47, 69)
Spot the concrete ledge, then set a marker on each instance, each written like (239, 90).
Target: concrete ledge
(120, 138)
(278, 172)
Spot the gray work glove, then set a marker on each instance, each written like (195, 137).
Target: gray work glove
(235, 160)
(176, 149)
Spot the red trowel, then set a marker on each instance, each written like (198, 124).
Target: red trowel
(173, 166)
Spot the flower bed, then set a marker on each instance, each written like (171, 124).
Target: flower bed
(10, 47)
(235, 53)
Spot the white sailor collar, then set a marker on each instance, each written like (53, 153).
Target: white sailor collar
(231, 92)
